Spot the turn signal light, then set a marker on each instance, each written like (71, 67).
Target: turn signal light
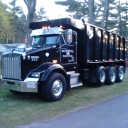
(61, 26)
(45, 27)
(54, 61)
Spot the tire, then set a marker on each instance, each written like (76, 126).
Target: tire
(120, 74)
(101, 75)
(110, 75)
(54, 88)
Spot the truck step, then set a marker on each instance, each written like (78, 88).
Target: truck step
(76, 85)
(74, 79)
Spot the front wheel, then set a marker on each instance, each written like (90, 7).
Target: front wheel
(54, 88)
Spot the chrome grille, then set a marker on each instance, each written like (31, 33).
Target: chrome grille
(11, 67)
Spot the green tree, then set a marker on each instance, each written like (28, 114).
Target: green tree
(41, 14)
(5, 26)
(88, 9)
(123, 24)
(14, 8)
(15, 22)
(77, 9)
(107, 14)
(118, 18)
(31, 6)
(112, 16)
(107, 19)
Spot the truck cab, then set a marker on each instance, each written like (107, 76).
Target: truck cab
(52, 58)
(62, 41)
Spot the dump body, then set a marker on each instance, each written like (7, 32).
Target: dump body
(100, 46)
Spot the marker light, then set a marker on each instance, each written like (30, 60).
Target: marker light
(45, 27)
(54, 61)
(69, 37)
(61, 26)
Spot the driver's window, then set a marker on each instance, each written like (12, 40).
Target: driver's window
(62, 39)
(36, 41)
(58, 40)
(51, 40)
(74, 38)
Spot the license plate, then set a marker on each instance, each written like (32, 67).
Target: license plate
(31, 85)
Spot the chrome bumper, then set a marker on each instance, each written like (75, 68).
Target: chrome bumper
(28, 85)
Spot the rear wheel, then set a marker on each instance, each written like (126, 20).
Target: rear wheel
(110, 75)
(54, 88)
(101, 75)
(120, 73)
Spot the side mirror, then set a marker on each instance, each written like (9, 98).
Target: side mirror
(69, 36)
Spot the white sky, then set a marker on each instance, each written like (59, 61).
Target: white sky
(53, 10)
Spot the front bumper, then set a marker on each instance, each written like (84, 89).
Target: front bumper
(28, 85)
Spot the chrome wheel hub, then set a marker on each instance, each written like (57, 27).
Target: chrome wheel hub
(113, 76)
(57, 87)
(102, 76)
(121, 74)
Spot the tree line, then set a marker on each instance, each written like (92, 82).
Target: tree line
(14, 23)
(107, 14)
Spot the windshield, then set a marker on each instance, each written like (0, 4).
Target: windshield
(45, 40)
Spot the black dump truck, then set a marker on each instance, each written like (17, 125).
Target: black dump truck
(64, 54)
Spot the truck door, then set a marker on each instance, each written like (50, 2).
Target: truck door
(68, 50)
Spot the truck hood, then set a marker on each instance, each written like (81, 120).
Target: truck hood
(25, 51)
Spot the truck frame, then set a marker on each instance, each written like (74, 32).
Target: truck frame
(64, 54)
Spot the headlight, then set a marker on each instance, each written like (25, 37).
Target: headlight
(35, 74)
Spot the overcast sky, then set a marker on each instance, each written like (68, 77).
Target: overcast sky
(53, 10)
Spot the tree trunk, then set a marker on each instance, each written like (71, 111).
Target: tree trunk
(31, 5)
(120, 26)
(91, 11)
(106, 19)
(105, 13)
(126, 13)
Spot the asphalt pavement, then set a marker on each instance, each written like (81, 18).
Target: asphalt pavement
(112, 113)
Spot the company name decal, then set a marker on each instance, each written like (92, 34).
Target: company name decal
(34, 58)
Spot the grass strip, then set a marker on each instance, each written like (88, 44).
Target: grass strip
(27, 108)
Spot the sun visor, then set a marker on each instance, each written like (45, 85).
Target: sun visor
(47, 31)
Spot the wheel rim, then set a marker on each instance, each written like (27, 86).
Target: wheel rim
(121, 74)
(102, 76)
(113, 75)
(57, 87)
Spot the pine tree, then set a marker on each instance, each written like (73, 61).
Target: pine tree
(108, 14)
(112, 16)
(31, 6)
(41, 15)
(5, 26)
(124, 19)
(77, 9)
(15, 21)
(88, 9)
